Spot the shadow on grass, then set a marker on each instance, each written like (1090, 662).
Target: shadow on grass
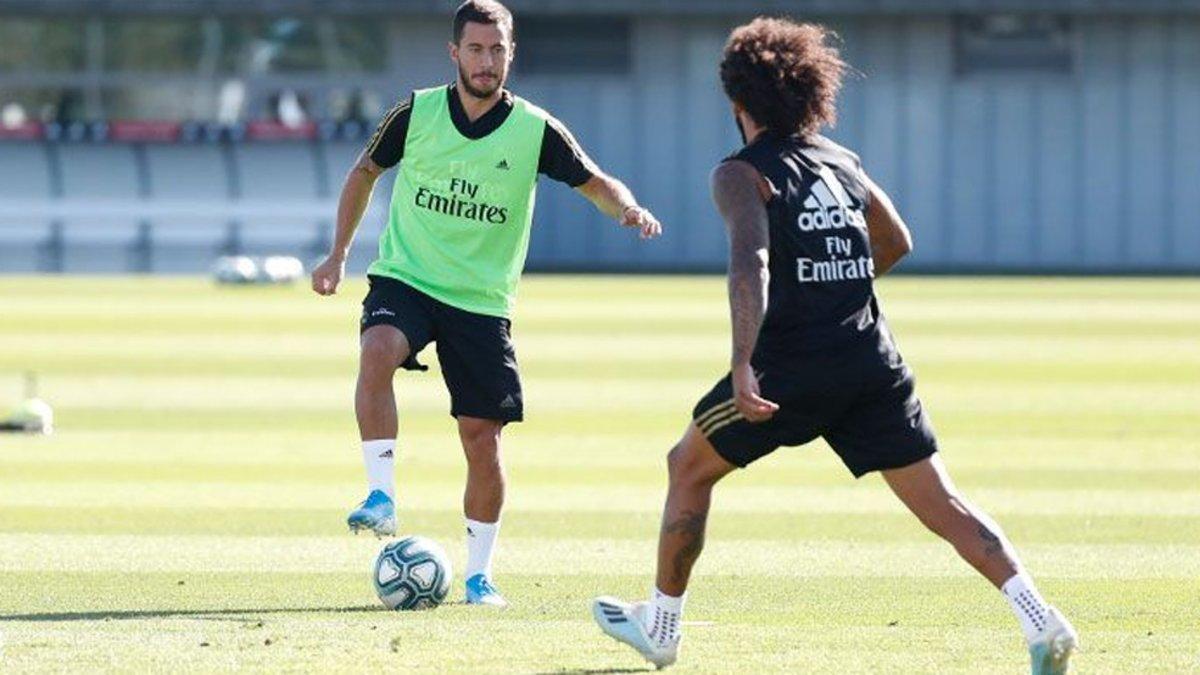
(595, 671)
(217, 614)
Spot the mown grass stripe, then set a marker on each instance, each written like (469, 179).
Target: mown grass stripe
(563, 555)
(631, 525)
(592, 498)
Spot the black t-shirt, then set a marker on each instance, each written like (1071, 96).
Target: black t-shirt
(821, 293)
(561, 157)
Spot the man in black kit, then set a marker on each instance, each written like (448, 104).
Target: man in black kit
(812, 354)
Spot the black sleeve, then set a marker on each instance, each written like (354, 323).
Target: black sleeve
(386, 147)
(562, 159)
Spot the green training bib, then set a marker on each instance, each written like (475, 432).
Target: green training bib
(458, 226)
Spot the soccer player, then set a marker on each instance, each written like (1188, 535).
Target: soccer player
(812, 354)
(449, 260)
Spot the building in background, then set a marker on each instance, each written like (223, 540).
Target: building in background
(1035, 135)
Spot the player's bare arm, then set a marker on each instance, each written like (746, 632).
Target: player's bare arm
(735, 190)
(615, 200)
(890, 238)
(356, 195)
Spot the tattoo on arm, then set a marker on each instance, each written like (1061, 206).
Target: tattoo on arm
(736, 194)
(991, 543)
(690, 526)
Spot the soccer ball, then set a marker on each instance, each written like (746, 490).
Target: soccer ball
(413, 573)
(235, 269)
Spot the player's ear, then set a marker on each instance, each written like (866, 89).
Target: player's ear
(453, 51)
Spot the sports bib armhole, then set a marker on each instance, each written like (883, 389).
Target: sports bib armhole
(766, 189)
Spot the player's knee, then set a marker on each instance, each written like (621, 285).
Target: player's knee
(481, 441)
(675, 460)
(684, 466)
(382, 351)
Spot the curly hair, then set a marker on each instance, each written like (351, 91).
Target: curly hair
(785, 74)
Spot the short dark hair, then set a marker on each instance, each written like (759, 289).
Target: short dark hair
(481, 11)
(785, 74)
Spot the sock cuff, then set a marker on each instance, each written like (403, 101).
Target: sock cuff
(669, 603)
(379, 445)
(480, 528)
(1017, 584)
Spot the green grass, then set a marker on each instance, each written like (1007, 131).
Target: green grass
(188, 514)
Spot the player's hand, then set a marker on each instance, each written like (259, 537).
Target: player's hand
(748, 398)
(636, 216)
(328, 275)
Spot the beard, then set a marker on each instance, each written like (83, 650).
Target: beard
(471, 89)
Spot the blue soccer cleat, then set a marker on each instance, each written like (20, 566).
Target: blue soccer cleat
(627, 623)
(480, 591)
(1050, 653)
(377, 513)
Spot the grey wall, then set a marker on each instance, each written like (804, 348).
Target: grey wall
(1096, 170)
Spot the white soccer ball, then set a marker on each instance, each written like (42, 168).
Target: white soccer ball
(413, 573)
(235, 269)
(281, 269)
(34, 416)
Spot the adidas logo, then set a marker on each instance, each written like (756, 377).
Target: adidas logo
(829, 206)
(503, 165)
(508, 402)
(386, 454)
(383, 311)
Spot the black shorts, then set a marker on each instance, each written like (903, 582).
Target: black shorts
(476, 351)
(862, 402)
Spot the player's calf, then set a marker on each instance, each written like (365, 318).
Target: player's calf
(926, 489)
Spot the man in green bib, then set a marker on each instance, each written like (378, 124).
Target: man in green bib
(449, 262)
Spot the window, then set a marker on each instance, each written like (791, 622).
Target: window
(156, 45)
(190, 67)
(359, 44)
(41, 44)
(572, 46)
(292, 45)
(257, 46)
(1011, 42)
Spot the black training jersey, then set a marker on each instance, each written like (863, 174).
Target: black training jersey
(820, 293)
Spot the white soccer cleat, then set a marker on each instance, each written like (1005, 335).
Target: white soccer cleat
(627, 623)
(1050, 653)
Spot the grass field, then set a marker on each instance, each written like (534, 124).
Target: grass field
(188, 515)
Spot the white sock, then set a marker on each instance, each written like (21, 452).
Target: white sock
(1027, 604)
(379, 458)
(481, 539)
(665, 616)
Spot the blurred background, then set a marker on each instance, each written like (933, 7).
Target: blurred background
(188, 510)
(1015, 135)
